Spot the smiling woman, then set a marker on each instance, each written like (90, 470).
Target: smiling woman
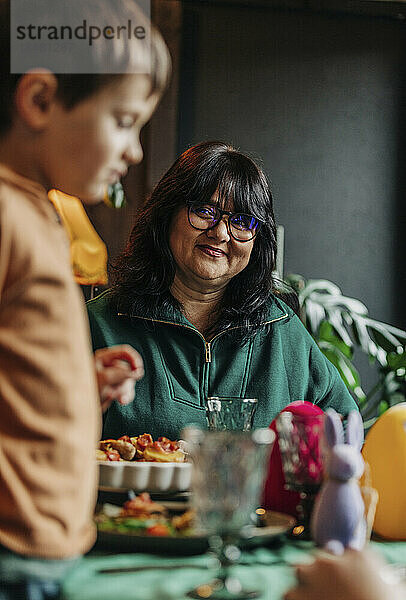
(194, 294)
(204, 248)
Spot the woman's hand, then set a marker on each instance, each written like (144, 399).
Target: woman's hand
(117, 370)
(353, 576)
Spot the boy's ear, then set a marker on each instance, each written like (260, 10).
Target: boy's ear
(34, 97)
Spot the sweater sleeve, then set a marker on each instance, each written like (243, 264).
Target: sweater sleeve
(96, 327)
(327, 388)
(312, 377)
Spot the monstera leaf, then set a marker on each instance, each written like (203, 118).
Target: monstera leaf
(338, 324)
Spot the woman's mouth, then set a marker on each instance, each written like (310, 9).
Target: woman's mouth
(211, 251)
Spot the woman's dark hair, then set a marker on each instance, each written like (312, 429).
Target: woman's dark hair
(145, 270)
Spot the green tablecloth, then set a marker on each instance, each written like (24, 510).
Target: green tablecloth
(269, 569)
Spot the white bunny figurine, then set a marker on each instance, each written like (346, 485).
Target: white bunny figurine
(338, 515)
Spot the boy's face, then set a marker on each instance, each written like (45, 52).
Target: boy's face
(91, 145)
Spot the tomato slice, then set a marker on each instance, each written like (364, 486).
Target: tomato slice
(144, 440)
(113, 455)
(159, 530)
(166, 445)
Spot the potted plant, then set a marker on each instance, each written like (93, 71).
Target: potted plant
(339, 324)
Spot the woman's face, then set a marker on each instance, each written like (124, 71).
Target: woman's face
(206, 260)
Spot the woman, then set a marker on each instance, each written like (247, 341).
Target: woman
(195, 295)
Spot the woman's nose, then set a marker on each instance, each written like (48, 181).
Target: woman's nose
(220, 231)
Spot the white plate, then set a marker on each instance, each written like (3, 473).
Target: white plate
(145, 476)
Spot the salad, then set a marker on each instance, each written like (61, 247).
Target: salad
(143, 516)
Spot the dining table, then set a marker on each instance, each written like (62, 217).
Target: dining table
(109, 575)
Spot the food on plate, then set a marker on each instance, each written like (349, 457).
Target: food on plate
(142, 506)
(140, 448)
(141, 442)
(142, 516)
(108, 455)
(185, 521)
(164, 451)
(125, 449)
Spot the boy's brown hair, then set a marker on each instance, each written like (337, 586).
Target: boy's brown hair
(73, 88)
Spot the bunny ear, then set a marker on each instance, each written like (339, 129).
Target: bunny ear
(355, 430)
(333, 429)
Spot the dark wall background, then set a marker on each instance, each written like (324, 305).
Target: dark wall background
(159, 140)
(317, 97)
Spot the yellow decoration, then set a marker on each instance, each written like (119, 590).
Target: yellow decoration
(88, 251)
(385, 451)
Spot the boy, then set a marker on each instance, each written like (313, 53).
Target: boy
(77, 133)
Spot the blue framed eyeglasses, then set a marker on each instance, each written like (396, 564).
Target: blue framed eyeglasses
(241, 227)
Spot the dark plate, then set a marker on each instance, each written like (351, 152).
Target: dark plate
(276, 525)
(122, 542)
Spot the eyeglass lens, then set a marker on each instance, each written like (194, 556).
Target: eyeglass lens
(204, 216)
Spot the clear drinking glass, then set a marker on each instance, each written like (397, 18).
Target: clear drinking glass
(230, 413)
(228, 475)
(300, 446)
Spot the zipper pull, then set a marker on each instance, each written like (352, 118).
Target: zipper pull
(208, 352)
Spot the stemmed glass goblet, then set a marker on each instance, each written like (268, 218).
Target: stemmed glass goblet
(230, 413)
(300, 447)
(228, 471)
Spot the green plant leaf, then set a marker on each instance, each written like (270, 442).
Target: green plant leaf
(391, 383)
(347, 304)
(348, 372)
(396, 361)
(374, 396)
(395, 331)
(383, 335)
(396, 398)
(327, 333)
(314, 316)
(297, 282)
(339, 323)
(335, 318)
(367, 344)
(354, 332)
(320, 285)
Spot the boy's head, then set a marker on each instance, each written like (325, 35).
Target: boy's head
(80, 132)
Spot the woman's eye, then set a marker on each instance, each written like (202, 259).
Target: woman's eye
(204, 211)
(244, 222)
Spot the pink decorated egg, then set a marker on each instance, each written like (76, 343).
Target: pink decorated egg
(275, 496)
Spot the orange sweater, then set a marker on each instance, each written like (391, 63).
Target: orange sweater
(49, 414)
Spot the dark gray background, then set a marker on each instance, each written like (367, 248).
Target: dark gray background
(318, 99)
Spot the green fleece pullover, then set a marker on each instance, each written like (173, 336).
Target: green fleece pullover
(280, 364)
